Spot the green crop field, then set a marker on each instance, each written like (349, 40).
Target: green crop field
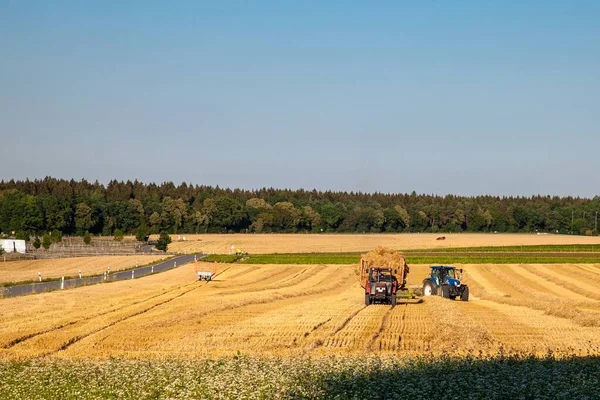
(450, 258)
(546, 254)
(221, 258)
(551, 248)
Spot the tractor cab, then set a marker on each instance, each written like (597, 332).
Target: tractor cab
(445, 281)
(381, 275)
(381, 286)
(445, 274)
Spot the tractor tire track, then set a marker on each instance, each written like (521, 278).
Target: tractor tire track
(403, 326)
(295, 276)
(55, 328)
(78, 338)
(317, 326)
(384, 323)
(347, 320)
(24, 338)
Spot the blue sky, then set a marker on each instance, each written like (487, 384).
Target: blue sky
(471, 97)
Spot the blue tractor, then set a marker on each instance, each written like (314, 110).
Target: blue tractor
(445, 281)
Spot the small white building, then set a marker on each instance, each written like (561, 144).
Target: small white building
(13, 246)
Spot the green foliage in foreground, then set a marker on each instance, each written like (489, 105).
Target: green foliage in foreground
(243, 377)
(221, 258)
(353, 258)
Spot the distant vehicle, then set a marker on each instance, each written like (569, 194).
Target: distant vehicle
(204, 275)
(444, 281)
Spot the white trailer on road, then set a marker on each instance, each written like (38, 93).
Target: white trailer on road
(13, 246)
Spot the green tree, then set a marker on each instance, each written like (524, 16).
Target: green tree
(227, 213)
(56, 236)
(420, 221)
(23, 235)
(37, 243)
(163, 241)
(138, 209)
(56, 210)
(87, 238)
(83, 217)
(310, 219)
(332, 214)
(404, 216)
(118, 235)
(173, 213)
(33, 218)
(141, 233)
(46, 241)
(287, 217)
(155, 222)
(393, 222)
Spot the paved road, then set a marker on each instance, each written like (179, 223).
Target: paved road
(32, 288)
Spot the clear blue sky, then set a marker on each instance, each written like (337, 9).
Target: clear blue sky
(470, 97)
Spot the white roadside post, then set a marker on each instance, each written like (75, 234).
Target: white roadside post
(152, 270)
(174, 263)
(40, 276)
(79, 274)
(62, 282)
(195, 258)
(104, 275)
(133, 274)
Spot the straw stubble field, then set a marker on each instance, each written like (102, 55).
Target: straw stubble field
(339, 243)
(299, 310)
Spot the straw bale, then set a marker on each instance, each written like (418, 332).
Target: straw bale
(382, 257)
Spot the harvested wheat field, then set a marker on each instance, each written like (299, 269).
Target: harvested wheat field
(264, 310)
(299, 243)
(27, 270)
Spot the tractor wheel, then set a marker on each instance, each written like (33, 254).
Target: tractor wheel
(367, 300)
(394, 300)
(445, 291)
(428, 289)
(465, 294)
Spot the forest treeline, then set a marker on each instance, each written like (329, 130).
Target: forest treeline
(74, 207)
